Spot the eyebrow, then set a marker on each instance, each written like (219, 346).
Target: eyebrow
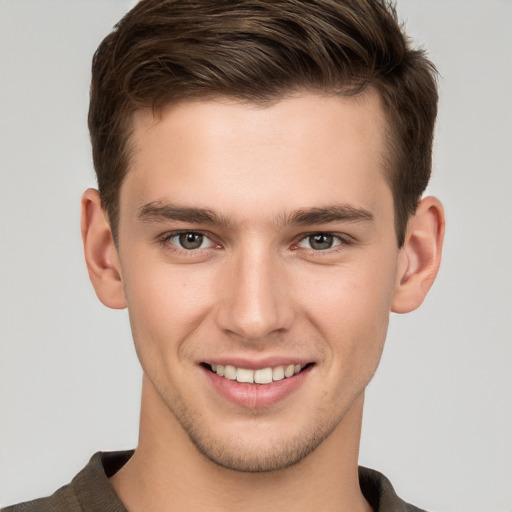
(159, 211)
(327, 214)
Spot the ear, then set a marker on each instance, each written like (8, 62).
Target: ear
(100, 252)
(420, 256)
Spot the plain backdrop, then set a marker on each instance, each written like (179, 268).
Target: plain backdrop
(438, 417)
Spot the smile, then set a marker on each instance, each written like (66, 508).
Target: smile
(260, 376)
(259, 386)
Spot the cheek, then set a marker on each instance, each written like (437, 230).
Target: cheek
(165, 305)
(350, 308)
(346, 295)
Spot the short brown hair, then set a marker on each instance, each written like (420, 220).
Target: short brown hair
(165, 51)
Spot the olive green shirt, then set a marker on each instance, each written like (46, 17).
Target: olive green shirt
(90, 490)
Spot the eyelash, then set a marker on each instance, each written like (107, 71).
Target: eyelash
(165, 241)
(341, 240)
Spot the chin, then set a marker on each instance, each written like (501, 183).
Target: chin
(259, 455)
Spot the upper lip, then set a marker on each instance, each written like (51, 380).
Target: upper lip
(259, 363)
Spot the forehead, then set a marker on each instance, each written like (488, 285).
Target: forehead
(300, 151)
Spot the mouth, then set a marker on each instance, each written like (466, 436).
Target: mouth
(257, 386)
(260, 376)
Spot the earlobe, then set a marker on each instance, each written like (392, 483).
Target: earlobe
(420, 256)
(100, 252)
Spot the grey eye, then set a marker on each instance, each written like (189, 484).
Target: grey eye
(320, 241)
(190, 240)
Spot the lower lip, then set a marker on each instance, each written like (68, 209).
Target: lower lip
(256, 396)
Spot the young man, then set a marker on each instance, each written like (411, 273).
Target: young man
(260, 168)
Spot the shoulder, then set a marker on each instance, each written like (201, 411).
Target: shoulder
(380, 494)
(89, 491)
(63, 500)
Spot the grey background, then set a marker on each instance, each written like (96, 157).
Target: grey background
(438, 417)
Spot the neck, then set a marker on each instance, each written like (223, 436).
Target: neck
(168, 473)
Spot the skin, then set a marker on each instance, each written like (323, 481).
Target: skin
(257, 288)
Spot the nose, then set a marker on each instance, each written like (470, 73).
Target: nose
(255, 298)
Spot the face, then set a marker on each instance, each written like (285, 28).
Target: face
(258, 258)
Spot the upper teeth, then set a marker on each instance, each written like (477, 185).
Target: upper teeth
(263, 376)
